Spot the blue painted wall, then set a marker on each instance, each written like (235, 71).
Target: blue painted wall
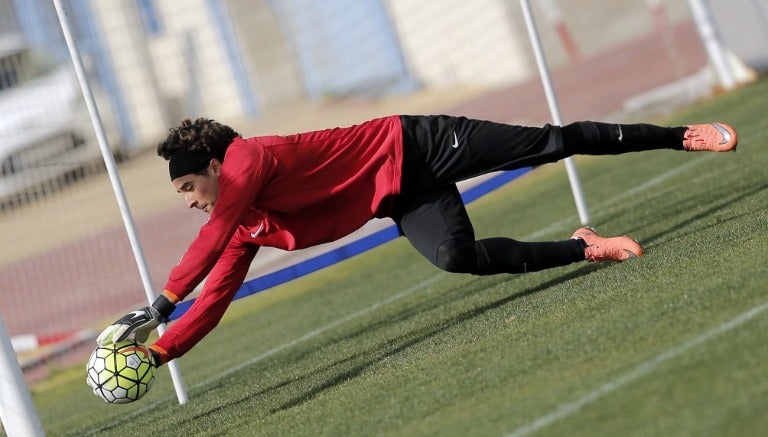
(333, 41)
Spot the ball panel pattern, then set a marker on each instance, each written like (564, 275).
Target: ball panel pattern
(120, 373)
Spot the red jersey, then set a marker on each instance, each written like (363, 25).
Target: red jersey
(289, 192)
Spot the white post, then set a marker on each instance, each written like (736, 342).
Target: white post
(17, 412)
(554, 109)
(702, 16)
(554, 15)
(664, 31)
(117, 186)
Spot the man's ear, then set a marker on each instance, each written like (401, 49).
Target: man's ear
(215, 166)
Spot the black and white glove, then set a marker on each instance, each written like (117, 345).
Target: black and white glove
(137, 324)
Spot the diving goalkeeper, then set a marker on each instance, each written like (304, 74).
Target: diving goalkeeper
(296, 191)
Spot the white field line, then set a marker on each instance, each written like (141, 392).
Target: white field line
(323, 329)
(554, 227)
(291, 343)
(642, 369)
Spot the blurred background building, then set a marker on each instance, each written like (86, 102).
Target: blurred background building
(268, 65)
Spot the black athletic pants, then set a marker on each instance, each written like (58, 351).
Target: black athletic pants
(442, 150)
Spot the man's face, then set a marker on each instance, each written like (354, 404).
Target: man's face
(200, 191)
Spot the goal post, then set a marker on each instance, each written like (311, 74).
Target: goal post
(554, 109)
(117, 186)
(702, 16)
(17, 412)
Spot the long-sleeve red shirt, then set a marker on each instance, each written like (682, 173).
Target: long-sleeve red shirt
(288, 192)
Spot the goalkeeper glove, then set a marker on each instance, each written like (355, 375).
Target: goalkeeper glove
(137, 324)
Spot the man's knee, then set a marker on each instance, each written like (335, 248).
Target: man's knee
(457, 256)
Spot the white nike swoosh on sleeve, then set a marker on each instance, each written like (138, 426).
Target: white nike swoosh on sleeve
(258, 230)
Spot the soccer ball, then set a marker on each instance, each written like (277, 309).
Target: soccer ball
(120, 373)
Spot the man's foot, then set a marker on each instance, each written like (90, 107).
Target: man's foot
(714, 137)
(607, 248)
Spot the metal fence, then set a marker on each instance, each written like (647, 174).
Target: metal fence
(263, 66)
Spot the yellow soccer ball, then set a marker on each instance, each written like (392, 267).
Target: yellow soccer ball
(120, 373)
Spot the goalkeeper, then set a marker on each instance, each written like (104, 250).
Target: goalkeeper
(296, 191)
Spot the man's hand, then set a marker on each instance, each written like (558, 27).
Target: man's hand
(137, 324)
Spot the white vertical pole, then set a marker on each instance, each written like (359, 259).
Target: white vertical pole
(702, 16)
(554, 109)
(117, 186)
(17, 412)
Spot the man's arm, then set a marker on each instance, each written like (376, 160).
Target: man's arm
(224, 281)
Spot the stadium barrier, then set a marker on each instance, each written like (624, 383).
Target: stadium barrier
(151, 63)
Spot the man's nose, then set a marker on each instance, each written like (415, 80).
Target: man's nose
(191, 202)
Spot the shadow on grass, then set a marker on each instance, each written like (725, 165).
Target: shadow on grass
(415, 337)
(302, 388)
(724, 203)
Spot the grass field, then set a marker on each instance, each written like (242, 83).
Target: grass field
(673, 343)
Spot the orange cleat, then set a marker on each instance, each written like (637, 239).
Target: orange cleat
(714, 137)
(607, 248)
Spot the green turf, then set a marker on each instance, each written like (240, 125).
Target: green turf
(386, 344)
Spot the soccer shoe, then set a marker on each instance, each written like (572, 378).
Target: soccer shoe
(714, 137)
(607, 248)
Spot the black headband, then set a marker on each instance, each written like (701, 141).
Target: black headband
(186, 162)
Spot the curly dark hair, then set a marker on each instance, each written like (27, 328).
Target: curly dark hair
(202, 134)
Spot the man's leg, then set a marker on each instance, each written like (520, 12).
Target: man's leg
(439, 228)
(596, 138)
(441, 150)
